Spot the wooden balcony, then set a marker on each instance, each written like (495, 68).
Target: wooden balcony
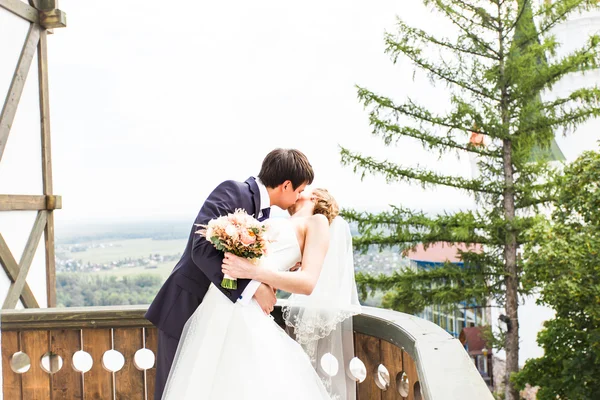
(43, 356)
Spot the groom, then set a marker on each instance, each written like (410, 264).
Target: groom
(283, 176)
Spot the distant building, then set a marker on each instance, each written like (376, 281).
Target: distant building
(480, 352)
(465, 320)
(452, 317)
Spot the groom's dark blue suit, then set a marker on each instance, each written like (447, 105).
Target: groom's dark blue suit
(199, 266)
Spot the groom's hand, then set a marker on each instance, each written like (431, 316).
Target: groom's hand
(265, 296)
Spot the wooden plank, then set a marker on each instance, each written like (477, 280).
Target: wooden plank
(368, 350)
(391, 357)
(21, 9)
(75, 318)
(13, 96)
(152, 344)
(86, 324)
(129, 380)
(13, 202)
(66, 383)
(9, 202)
(97, 382)
(410, 368)
(11, 381)
(32, 243)
(12, 271)
(36, 382)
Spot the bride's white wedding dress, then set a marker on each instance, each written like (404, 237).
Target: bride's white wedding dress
(234, 351)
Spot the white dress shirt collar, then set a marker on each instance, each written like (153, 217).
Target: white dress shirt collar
(265, 200)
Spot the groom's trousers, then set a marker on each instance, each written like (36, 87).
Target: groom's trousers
(167, 347)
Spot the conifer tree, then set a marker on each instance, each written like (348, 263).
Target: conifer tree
(496, 70)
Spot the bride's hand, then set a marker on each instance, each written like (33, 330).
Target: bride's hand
(238, 267)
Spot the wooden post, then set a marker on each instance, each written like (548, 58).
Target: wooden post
(47, 167)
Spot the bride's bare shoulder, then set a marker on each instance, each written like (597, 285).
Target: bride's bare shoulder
(317, 222)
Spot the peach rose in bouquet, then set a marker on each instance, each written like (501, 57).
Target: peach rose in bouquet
(237, 233)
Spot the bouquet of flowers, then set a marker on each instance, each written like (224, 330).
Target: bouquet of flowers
(237, 233)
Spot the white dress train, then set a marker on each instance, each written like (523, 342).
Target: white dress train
(231, 351)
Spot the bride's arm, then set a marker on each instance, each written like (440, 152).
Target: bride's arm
(304, 281)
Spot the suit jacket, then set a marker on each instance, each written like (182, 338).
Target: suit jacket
(200, 264)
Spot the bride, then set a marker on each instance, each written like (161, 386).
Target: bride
(236, 351)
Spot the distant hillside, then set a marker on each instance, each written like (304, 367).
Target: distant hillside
(157, 230)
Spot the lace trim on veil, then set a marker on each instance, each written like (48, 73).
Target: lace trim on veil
(318, 327)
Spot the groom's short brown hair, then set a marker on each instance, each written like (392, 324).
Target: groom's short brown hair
(281, 165)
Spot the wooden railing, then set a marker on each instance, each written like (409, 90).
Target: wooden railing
(60, 334)
(44, 356)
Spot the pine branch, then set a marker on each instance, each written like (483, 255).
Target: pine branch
(529, 202)
(463, 23)
(556, 12)
(459, 224)
(488, 21)
(393, 172)
(531, 194)
(445, 43)
(413, 52)
(492, 260)
(567, 118)
(390, 131)
(458, 119)
(518, 19)
(473, 15)
(405, 240)
(405, 229)
(397, 216)
(587, 56)
(577, 97)
(414, 290)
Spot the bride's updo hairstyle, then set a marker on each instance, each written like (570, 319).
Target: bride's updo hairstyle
(325, 204)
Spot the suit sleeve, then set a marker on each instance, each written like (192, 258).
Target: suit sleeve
(225, 199)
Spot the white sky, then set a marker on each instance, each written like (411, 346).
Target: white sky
(154, 103)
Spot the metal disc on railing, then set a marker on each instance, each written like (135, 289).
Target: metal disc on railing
(82, 361)
(143, 359)
(330, 364)
(113, 361)
(357, 370)
(20, 362)
(402, 384)
(382, 377)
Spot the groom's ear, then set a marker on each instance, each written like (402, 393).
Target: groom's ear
(286, 185)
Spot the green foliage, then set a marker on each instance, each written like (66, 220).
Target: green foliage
(564, 260)
(79, 290)
(413, 291)
(495, 70)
